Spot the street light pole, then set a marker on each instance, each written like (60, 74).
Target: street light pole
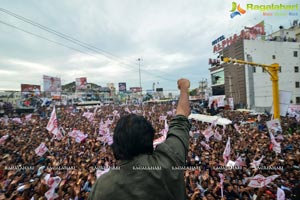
(273, 71)
(139, 59)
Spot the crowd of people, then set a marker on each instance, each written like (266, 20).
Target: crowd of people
(78, 164)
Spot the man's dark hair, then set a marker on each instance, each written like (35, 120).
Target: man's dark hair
(133, 135)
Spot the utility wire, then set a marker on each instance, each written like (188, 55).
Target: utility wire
(77, 42)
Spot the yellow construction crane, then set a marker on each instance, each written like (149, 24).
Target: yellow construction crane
(273, 71)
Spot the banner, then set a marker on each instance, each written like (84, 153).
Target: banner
(122, 87)
(136, 89)
(52, 84)
(274, 126)
(28, 91)
(231, 103)
(81, 83)
(219, 100)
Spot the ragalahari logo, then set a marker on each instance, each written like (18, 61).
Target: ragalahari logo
(236, 10)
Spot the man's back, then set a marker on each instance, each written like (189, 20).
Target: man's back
(144, 173)
(150, 176)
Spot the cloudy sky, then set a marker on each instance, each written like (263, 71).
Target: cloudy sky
(172, 37)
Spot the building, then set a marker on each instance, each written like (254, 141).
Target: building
(249, 86)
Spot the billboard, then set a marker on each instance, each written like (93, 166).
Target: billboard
(52, 84)
(28, 90)
(136, 89)
(81, 83)
(122, 87)
(219, 100)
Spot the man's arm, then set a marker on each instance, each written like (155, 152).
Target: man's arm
(177, 141)
(183, 107)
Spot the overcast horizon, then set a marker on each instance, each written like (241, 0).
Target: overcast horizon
(172, 38)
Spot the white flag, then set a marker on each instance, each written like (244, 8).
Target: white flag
(226, 153)
(275, 145)
(208, 133)
(41, 150)
(206, 146)
(256, 163)
(260, 181)
(52, 125)
(52, 182)
(280, 194)
(217, 135)
(221, 183)
(3, 138)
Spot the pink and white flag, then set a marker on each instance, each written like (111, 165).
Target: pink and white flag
(80, 137)
(237, 128)
(260, 181)
(170, 113)
(52, 125)
(222, 178)
(161, 118)
(217, 135)
(226, 153)
(280, 194)
(258, 118)
(276, 145)
(127, 110)
(52, 183)
(17, 119)
(256, 163)
(159, 140)
(206, 146)
(3, 138)
(28, 117)
(224, 128)
(239, 162)
(208, 133)
(89, 115)
(214, 123)
(41, 150)
(99, 172)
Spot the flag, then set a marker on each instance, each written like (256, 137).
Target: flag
(239, 162)
(208, 133)
(237, 128)
(256, 163)
(260, 181)
(52, 183)
(17, 119)
(52, 125)
(280, 194)
(101, 172)
(213, 124)
(159, 140)
(41, 150)
(127, 110)
(206, 146)
(224, 128)
(221, 183)
(28, 117)
(258, 118)
(226, 153)
(217, 135)
(161, 118)
(275, 145)
(89, 115)
(77, 135)
(3, 138)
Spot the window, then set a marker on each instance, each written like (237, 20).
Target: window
(297, 100)
(253, 69)
(273, 56)
(297, 84)
(263, 70)
(296, 69)
(279, 69)
(295, 53)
